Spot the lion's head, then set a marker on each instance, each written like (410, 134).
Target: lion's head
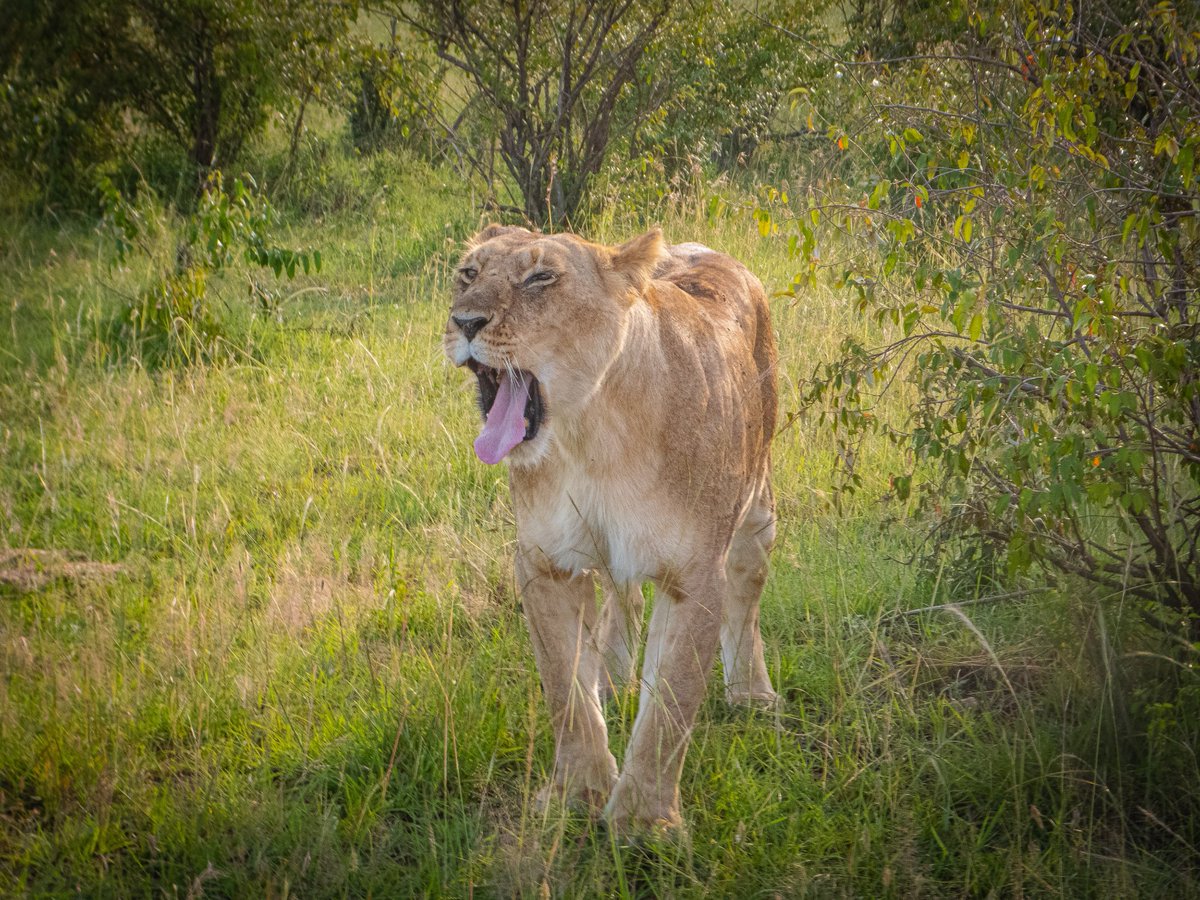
(538, 318)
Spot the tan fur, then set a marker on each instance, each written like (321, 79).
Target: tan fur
(657, 367)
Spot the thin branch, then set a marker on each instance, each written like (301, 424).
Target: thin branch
(939, 607)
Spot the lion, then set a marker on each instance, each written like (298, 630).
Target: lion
(632, 392)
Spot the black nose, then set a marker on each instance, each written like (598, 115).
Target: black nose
(471, 327)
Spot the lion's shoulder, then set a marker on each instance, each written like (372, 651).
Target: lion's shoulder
(718, 284)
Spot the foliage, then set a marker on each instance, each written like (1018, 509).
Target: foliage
(390, 103)
(172, 320)
(204, 74)
(58, 94)
(1034, 245)
(710, 85)
(883, 29)
(547, 76)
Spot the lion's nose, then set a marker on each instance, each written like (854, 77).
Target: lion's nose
(472, 326)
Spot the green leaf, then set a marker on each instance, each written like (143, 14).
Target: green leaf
(1186, 162)
(1130, 220)
(878, 195)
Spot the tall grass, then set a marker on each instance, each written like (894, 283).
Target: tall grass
(306, 670)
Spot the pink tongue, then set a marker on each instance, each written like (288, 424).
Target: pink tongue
(505, 425)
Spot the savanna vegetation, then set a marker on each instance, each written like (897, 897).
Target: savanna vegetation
(258, 627)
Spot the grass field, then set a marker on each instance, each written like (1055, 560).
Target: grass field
(259, 636)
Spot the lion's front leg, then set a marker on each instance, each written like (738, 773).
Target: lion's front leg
(680, 649)
(560, 610)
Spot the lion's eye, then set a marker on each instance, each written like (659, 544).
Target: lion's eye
(467, 273)
(540, 278)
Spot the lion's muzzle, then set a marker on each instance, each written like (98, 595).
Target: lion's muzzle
(511, 402)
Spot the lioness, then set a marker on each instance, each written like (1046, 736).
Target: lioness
(632, 391)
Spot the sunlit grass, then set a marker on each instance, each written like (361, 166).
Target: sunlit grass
(309, 673)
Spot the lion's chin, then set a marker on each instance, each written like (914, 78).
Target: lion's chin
(513, 407)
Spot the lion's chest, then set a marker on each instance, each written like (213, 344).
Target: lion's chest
(613, 525)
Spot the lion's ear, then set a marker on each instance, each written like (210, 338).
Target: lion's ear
(636, 259)
(493, 231)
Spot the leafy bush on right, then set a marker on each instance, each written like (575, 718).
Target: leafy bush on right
(1033, 242)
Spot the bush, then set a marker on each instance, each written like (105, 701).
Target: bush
(80, 81)
(390, 103)
(1034, 246)
(172, 321)
(545, 79)
(710, 86)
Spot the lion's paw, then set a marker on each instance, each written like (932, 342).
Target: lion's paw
(583, 800)
(752, 699)
(632, 812)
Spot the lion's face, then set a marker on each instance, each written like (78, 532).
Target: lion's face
(537, 319)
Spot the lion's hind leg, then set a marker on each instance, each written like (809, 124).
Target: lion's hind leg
(746, 678)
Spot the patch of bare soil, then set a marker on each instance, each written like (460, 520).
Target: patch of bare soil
(28, 568)
(310, 584)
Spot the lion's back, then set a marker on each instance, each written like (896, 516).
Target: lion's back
(714, 309)
(724, 292)
(720, 284)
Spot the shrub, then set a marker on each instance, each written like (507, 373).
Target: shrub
(79, 81)
(1033, 239)
(546, 78)
(390, 103)
(710, 86)
(172, 321)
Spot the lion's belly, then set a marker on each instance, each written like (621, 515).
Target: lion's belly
(603, 526)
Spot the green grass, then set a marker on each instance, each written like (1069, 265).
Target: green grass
(306, 671)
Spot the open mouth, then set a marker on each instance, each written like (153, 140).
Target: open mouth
(512, 407)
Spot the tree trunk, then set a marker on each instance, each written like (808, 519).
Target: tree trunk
(206, 103)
